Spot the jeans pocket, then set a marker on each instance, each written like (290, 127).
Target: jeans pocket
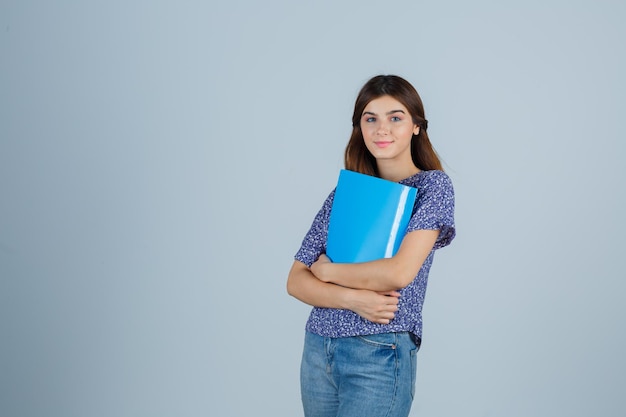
(416, 340)
(382, 340)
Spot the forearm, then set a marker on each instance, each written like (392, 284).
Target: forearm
(385, 274)
(379, 275)
(373, 306)
(304, 286)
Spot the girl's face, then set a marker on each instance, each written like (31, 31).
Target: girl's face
(387, 130)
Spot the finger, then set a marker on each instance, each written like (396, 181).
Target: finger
(389, 315)
(392, 301)
(388, 309)
(394, 294)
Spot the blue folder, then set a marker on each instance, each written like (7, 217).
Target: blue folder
(368, 218)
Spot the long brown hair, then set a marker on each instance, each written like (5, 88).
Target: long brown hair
(357, 157)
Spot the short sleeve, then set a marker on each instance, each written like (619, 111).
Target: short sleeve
(435, 208)
(314, 242)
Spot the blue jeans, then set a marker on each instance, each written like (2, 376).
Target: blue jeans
(361, 376)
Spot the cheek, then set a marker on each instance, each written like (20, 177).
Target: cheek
(367, 131)
(369, 145)
(409, 132)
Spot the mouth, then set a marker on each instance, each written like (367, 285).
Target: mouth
(383, 144)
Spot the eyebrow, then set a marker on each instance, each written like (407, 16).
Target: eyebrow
(388, 113)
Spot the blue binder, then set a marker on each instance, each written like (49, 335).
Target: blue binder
(368, 218)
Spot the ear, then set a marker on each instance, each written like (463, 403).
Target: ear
(416, 130)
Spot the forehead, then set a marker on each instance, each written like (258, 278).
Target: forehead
(384, 104)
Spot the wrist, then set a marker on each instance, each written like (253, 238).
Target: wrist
(347, 300)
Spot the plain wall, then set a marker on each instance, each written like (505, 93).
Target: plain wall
(160, 163)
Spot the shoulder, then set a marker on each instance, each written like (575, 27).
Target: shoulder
(436, 177)
(434, 206)
(431, 181)
(434, 190)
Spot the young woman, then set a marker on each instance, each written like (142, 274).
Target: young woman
(366, 325)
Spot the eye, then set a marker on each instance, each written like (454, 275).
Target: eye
(370, 119)
(395, 118)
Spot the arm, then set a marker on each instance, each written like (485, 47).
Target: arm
(383, 274)
(372, 306)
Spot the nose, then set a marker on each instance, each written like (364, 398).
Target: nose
(383, 128)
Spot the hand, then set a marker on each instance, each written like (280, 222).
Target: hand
(316, 267)
(377, 307)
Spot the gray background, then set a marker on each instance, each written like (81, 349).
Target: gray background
(161, 162)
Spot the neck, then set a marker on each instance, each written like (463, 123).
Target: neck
(395, 172)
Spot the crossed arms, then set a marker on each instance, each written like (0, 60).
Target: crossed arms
(370, 289)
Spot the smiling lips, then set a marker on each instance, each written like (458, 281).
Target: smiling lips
(383, 144)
